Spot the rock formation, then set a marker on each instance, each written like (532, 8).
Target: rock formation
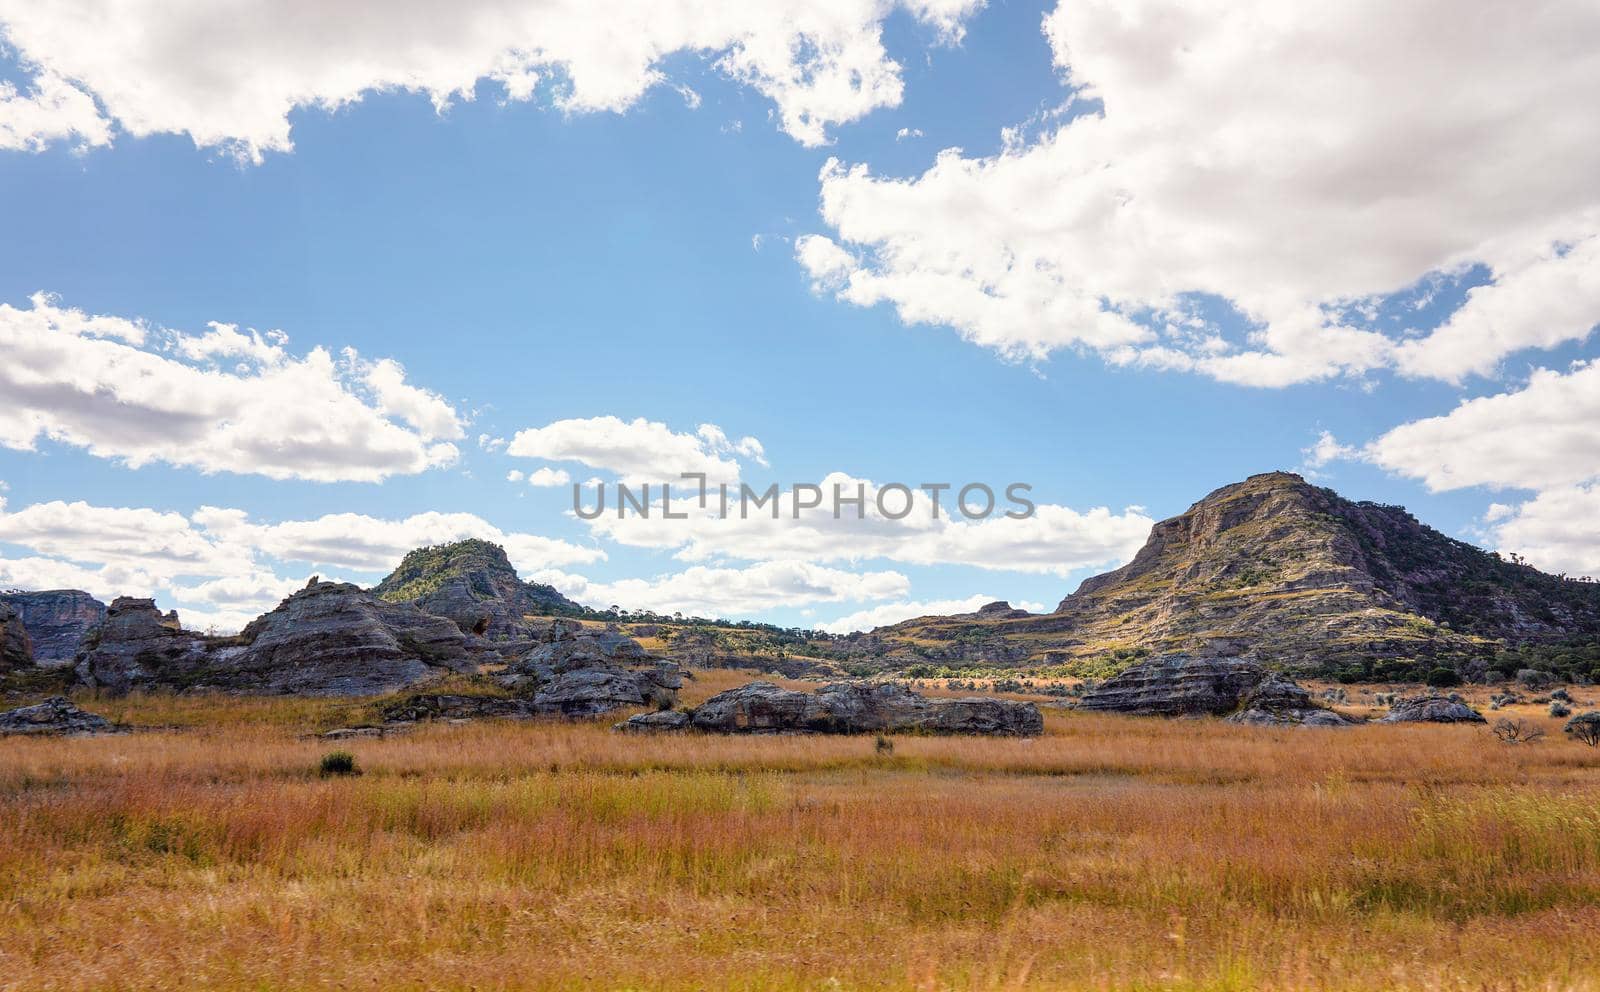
(328, 639)
(139, 647)
(472, 583)
(57, 621)
(16, 647)
(848, 708)
(1431, 708)
(1179, 685)
(55, 716)
(583, 672)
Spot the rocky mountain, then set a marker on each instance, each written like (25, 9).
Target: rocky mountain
(472, 583)
(1281, 572)
(57, 620)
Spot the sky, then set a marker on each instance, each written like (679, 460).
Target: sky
(289, 288)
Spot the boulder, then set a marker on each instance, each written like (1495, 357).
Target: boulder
(1177, 685)
(57, 621)
(856, 708)
(16, 647)
(56, 716)
(582, 672)
(1431, 708)
(652, 722)
(1279, 702)
(139, 647)
(455, 706)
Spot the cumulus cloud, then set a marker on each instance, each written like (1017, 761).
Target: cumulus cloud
(889, 613)
(1054, 540)
(229, 76)
(546, 477)
(732, 592)
(1295, 165)
(51, 111)
(638, 450)
(104, 384)
(1542, 436)
(220, 567)
(1557, 530)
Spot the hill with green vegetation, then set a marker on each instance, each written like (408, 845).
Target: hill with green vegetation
(1289, 574)
(473, 583)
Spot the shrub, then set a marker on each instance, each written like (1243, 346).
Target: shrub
(1560, 709)
(338, 763)
(1443, 678)
(1509, 731)
(883, 746)
(1585, 728)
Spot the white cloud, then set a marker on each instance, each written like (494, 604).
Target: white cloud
(733, 592)
(515, 475)
(1327, 449)
(53, 110)
(1054, 540)
(229, 76)
(907, 132)
(1558, 530)
(1299, 163)
(548, 477)
(1543, 436)
(638, 450)
(220, 563)
(890, 613)
(96, 382)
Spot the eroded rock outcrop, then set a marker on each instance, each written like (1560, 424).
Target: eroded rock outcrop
(1431, 708)
(16, 647)
(139, 647)
(56, 716)
(848, 708)
(473, 584)
(328, 639)
(57, 620)
(584, 672)
(336, 639)
(1182, 686)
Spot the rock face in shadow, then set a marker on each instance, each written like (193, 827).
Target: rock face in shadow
(1431, 709)
(57, 621)
(328, 639)
(16, 647)
(848, 708)
(582, 672)
(139, 647)
(473, 584)
(1183, 686)
(56, 716)
(336, 639)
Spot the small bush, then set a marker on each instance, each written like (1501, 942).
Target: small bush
(883, 746)
(1585, 728)
(1560, 709)
(1443, 678)
(1509, 731)
(338, 763)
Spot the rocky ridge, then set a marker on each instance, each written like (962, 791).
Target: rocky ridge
(57, 621)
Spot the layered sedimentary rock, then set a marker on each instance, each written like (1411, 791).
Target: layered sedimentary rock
(848, 708)
(584, 672)
(1431, 708)
(1179, 685)
(330, 638)
(57, 621)
(56, 716)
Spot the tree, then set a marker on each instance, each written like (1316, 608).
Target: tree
(1443, 678)
(1509, 731)
(1585, 728)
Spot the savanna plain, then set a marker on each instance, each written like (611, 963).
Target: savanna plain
(1111, 853)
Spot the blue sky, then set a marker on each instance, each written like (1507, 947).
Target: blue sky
(686, 260)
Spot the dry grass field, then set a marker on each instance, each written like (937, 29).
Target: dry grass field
(1112, 853)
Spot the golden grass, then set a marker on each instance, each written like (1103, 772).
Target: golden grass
(1110, 854)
